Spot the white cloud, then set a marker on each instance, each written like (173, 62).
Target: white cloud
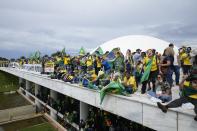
(49, 25)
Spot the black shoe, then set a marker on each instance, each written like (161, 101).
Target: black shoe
(149, 89)
(195, 118)
(162, 107)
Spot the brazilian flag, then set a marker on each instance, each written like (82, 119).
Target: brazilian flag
(98, 51)
(82, 51)
(111, 56)
(63, 52)
(147, 71)
(113, 87)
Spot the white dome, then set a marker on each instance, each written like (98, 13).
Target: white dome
(134, 42)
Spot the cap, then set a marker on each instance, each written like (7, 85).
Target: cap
(138, 50)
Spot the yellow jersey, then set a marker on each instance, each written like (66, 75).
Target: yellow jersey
(130, 81)
(187, 86)
(98, 63)
(186, 59)
(154, 63)
(94, 77)
(66, 60)
(89, 62)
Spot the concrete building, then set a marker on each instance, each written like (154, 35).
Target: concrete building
(138, 108)
(134, 42)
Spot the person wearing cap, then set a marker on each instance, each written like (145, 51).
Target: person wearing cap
(137, 56)
(185, 57)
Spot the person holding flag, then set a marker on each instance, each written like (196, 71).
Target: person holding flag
(82, 51)
(115, 87)
(119, 62)
(150, 65)
(66, 61)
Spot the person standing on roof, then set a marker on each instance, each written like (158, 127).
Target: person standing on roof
(150, 58)
(137, 56)
(185, 57)
(66, 61)
(119, 62)
(166, 65)
(106, 65)
(176, 65)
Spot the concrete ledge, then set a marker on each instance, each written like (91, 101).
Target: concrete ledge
(135, 108)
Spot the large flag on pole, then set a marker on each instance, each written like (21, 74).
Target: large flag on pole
(112, 54)
(37, 54)
(63, 52)
(112, 87)
(147, 71)
(82, 51)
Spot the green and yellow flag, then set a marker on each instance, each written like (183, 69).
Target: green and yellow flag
(63, 52)
(99, 51)
(112, 87)
(147, 71)
(82, 51)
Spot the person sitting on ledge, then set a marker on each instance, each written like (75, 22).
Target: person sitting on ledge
(163, 90)
(129, 83)
(189, 94)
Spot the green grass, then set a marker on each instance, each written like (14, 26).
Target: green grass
(41, 127)
(8, 82)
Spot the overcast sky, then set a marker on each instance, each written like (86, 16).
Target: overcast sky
(50, 25)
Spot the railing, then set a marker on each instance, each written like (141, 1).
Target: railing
(4, 63)
(32, 67)
(50, 108)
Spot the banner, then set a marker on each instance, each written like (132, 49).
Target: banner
(49, 67)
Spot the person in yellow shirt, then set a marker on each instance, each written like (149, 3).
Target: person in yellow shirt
(89, 63)
(154, 70)
(129, 83)
(93, 76)
(185, 57)
(66, 62)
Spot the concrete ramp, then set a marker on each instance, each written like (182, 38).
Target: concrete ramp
(17, 113)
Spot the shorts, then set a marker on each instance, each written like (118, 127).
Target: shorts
(186, 69)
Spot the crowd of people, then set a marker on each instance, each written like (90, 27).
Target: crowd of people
(148, 72)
